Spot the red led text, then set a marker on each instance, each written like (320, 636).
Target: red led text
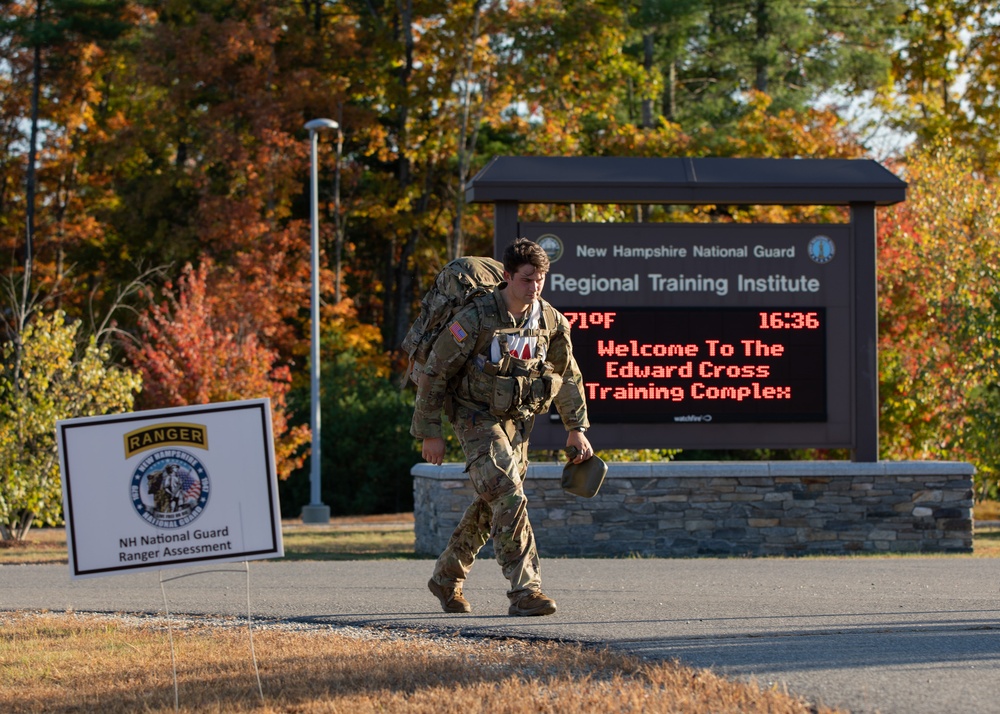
(586, 320)
(725, 364)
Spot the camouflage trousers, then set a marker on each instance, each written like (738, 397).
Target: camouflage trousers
(497, 461)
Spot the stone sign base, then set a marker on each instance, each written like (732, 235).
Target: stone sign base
(679, 509)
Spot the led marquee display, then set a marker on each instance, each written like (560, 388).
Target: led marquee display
(702, 365)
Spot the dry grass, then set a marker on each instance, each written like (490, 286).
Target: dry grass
(987, 511)
(356, 538)
(43, 545)
(986, 540)
(387, 536)
(83, 663)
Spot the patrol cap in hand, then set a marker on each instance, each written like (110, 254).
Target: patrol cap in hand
(583, 479)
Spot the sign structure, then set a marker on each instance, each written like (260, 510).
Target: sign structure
(170, 488)
(732, 329)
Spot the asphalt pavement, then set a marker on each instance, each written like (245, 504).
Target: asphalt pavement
(901, 635)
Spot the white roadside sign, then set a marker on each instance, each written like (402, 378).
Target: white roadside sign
(169, 488)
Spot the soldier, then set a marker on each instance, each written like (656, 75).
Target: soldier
(491, 390)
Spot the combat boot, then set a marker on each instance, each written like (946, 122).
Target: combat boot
(450, 597)
(531, 602)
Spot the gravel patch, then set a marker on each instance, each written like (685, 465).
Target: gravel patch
(197, 622)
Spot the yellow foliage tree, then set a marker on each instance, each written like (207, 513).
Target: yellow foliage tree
(939, 315)
(46, 375)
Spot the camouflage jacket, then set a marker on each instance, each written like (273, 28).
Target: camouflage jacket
(450, 368)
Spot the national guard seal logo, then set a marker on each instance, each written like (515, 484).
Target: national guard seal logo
(552, 245)
(821, 249)
(169, 488)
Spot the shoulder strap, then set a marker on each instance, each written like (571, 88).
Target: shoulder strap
(549, 319)
(489, 317)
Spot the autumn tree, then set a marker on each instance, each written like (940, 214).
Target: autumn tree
(939, 315)
(192, 348)
(194, 142)
(51, 195)
(431, 70)
(453, 83)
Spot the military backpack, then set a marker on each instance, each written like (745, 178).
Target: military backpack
(458, 284)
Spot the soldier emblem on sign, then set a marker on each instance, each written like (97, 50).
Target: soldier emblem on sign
(169, 488)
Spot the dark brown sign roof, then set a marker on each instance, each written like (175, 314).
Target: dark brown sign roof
(605, 179)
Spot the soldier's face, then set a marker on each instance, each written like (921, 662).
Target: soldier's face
(526, 283)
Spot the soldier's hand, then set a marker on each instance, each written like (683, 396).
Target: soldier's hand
(579, 440)
(433, 450)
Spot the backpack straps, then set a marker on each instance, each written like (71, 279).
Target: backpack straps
(549, 320)
(489, 321)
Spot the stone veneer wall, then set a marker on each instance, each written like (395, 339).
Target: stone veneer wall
(679, 509)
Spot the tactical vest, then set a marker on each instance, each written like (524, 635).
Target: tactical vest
(513, 388)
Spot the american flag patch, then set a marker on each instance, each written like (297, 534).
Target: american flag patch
(457, 331)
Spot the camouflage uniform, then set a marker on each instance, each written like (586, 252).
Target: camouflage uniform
(496, 447)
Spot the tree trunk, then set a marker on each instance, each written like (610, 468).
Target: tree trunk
(29, 215)
(466, 144)
(405, 280)
(670, 92)
(763, 32)
(338, 218)
(399, 274)
(647, 64)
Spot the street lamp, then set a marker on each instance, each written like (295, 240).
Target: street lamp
(316, 511)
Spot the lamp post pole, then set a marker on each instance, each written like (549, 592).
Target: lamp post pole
(316, 511)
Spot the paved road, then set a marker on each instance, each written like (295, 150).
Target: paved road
(894, 635)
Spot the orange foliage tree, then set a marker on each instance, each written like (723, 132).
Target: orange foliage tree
(194, 348)
(52, 197)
